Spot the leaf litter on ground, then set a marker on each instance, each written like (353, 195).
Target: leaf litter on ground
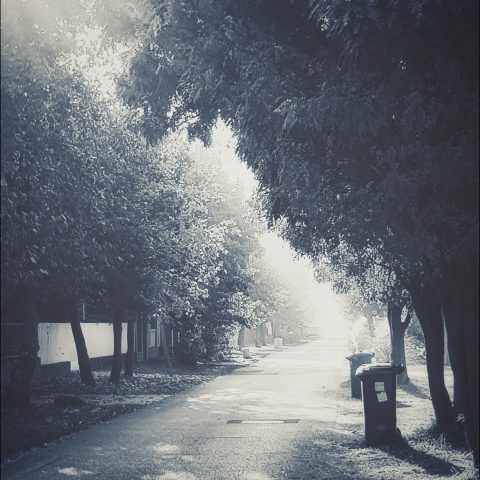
(47, 420)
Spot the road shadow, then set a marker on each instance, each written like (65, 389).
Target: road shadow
(333, 452)
(414, 390)
(431, 464)
(454, 436)
(321, 456)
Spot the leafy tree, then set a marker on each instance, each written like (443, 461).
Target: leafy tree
(49, 188)
(217, 276)
(359, 122)
(94, 214)
(73, 175)
(55, 134)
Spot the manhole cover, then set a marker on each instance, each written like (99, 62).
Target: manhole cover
(266, 421)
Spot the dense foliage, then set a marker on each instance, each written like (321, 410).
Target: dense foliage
(91, 212)
(359, 120)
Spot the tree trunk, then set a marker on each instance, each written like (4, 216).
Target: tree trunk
(19, 390)
(186, 350)
(453, 329)
(241, 337)
(130, 356)
(208, 336)
(470, 345)
(397, 338)
(460, 304)
(258, 336)
(82, 354)
(429, 315)
(264, 333)
(165, 350)
(371, 325)
(145, 342)
(117, 348)
(276, 328)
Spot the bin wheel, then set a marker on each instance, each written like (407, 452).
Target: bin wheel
(398, 434)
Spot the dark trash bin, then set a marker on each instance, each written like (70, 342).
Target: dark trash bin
(357, 359)
(379, 393)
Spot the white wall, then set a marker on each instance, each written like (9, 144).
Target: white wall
(57, 344)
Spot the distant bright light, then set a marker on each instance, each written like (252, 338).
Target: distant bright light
(326, 309)
(224, 143)
(101, 66)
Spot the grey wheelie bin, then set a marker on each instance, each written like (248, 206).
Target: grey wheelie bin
(379, 392)
(357, 359)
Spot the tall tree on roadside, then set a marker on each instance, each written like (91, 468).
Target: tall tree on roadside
(370, 112)
(368, 282)
(40, 162)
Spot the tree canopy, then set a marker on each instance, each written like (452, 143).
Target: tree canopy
(367, 106)
(359, 121)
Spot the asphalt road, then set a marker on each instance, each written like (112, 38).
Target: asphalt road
(189, 436)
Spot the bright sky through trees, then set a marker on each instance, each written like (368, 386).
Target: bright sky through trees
(102, 64)
(324, 307)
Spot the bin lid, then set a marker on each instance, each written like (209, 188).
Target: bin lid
(374, 368)
(360, 355)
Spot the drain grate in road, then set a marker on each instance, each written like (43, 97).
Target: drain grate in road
(266, 421)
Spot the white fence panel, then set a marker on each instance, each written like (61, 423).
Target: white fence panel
(57, 344)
